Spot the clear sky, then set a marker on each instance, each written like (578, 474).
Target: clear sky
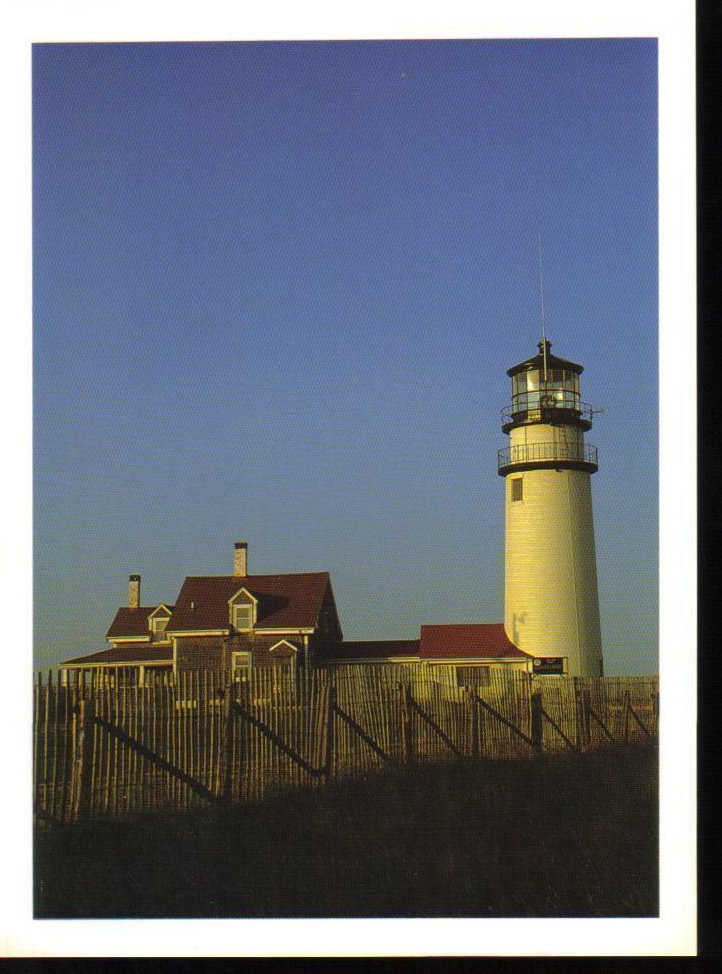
(277, 287)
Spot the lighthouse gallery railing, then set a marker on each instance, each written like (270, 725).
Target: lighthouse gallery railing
(536, 407)
(530, 452)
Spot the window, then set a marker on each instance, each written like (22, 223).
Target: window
(462, 676)
(472, 676)
(531, 390)
(158, 625)
(525, 389)
(243, 617)
(240, 666)
(517, 490)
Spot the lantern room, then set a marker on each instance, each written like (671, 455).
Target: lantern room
(545, 389)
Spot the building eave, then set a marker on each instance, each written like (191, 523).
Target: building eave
(116, 664)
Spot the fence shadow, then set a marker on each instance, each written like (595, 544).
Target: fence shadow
(106, 749)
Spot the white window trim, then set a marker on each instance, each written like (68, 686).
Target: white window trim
(247, 663)
(235, 612)
(283, 642)
(248, 599)
(160, 612)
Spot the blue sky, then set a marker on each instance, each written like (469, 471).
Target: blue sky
(277, 287)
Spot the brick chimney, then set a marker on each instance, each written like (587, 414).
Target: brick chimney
(240, 558)
(134, 591)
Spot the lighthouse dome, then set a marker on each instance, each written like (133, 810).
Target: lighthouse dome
(549, 361)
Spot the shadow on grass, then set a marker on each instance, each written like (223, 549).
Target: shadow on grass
(565, 836)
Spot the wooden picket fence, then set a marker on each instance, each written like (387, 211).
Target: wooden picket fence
(109, 749)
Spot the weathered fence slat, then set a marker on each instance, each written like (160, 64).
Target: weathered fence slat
(105, 752)
(275, 739)
(358, 729)
(326, 704)
(82, 768)
(435, 727)
(560, 732)
(634, 714)
(582, 717)
(36, 740)
(502, 719)
(52, 695)
(472, 725)
(176, 773)
(69, 695)
(407, 723)
(627, 708)
(595, 716)
(168, 741)
(225, 763)
(537, 722)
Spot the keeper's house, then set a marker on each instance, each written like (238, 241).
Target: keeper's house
(228, 623)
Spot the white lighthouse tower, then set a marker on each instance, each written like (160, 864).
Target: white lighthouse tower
(551, 604)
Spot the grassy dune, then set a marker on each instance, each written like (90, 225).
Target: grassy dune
(565, 836)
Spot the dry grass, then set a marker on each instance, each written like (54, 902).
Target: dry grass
(566, 836)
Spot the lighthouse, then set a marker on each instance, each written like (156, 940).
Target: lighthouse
(551, 603)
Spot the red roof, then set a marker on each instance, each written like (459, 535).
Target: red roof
(137, 653)
(369, 649)
(472, 641)
(130, 622)
(284, 601)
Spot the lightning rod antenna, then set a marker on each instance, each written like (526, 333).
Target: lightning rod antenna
(541, 294)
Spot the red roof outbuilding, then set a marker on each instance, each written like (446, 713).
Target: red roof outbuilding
(472, 641)
(376, 649)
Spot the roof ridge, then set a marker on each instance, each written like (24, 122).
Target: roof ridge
(403, 639)
(264, 575)
(430, 625)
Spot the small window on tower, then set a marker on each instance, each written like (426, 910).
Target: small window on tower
(517, 491)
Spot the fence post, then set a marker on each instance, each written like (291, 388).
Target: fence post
(327, 706)
(81, 784)
(655, 712)
(473, 723)
(627, 704)
(587, 712)
(537, 721)
(580, 709)
(578, 718)
(407, 722)
(225, 770)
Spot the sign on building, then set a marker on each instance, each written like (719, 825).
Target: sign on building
(549, 664)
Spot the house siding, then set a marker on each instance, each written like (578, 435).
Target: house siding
(214, 652)
(259, 646)
(199, 653)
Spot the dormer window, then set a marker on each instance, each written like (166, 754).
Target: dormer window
(242, 609)
(243, 617)
(158, 624)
